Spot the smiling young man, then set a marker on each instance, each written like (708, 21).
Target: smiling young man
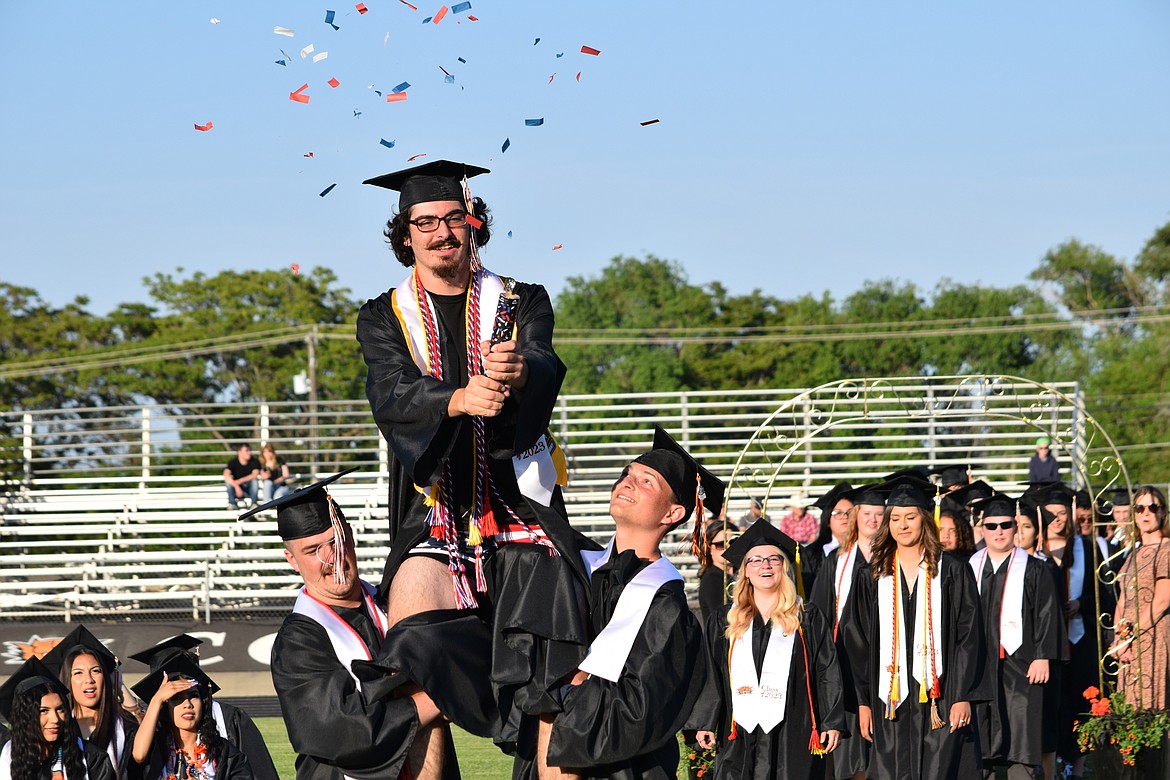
(1024, 633)
(623, 708)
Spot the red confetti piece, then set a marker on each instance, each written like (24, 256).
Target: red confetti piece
(558, 246)
(471, 18)
(550, 78)
(649, 122)
(204, 128)
(578, 75)
(297, 96)
(475, 222)
(408, 5)
(296, 269)
(590, 50)
(445, 73)
(361, 8)
(395, 97)
(415, 157)
(310, 154)
(439, 16)
(333, 83)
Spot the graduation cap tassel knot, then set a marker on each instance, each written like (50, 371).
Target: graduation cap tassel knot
(699, 535)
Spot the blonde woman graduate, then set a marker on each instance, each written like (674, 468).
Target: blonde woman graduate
(774, 701)
(915, 640)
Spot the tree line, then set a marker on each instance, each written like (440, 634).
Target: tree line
(639, 325)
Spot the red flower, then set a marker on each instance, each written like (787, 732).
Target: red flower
(1100, 707)
(1091, 692)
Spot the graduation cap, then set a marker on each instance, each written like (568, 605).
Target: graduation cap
(919, 472)
(971, 493)
(437, 180)
(1051, 493)
(82, 640)
(865, 495)
(173, 667)
(31, 674)
(154, 657)
(949, 476)
(1120, 497)
(758, 534)
(830, 499)
(908, 490)
(952, 508)
(996, 505)
(305, 512)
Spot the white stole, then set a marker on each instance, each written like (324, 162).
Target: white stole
(760, 700)
(918, 664)
(1011, 613)
(1076, 586)
(844, 576)
(348, 646)
(117, 743)
(541, 467)
(608, 653)
(220, 722)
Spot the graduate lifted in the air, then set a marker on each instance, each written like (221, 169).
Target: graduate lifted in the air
(915, 640)
(775, 699)
(645, 668)
(1025, 633)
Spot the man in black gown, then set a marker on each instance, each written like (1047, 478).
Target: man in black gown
(646, 667)
(462, 391)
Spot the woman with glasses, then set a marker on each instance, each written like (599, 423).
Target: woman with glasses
(716, 575)
(1143, 647)
(774, 702)
(915, 641)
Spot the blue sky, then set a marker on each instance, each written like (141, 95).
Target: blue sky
(802, 147)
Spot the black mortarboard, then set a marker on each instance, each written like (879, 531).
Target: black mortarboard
(1082, 498)
(759, 533)
(951, 475)
(438, 180)
(918, 472)
(1049, 493)
(679, 469)
(154, 656)
(830, 499)
(80, 637)
(304, 512)
(948, 506)
(996, 505)
(29, 675)
(866, 495)
(973, 492)
(908, 490)
(1121, 497)
(175, 666)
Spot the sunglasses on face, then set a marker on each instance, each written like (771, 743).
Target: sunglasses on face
(1141, 509)
(718, 545)
(1006, 525)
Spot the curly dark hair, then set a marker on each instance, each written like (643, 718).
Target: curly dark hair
(884, 547)
(398, 231)
(29, 750)
(205, 729)
(964, 533)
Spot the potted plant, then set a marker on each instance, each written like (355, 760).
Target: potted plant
(1126, 742)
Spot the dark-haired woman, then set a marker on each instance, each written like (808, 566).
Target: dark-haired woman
(178, 739)
(715, 574)
(45, 742)
(915, 640)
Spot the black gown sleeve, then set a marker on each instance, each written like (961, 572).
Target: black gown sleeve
(823, 593)
(964, 677)
(822, 653)
(245, 736)
(1048, 633)
(860, 633)
(233, 764)
(607, 722)
(708, 712)
(327, 717)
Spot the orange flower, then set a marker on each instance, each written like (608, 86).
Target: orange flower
(1091, 692)
(1100, 707)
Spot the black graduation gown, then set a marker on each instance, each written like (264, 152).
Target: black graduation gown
(232, 764)
(97, 763)
(1011, 723)
(536, 642)
(627, 729)
(125, 758)
(334, 728)
(852, 754)
(906, 748)
(242, 732)
(784, 751)
(713, 594)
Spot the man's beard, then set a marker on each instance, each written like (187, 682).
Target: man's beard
(451, 271)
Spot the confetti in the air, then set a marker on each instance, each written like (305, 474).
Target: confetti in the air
(320, 56)
(387, 144)
(396, 97)
(361, 8)
(475, 222)
(386, 39)
(214, 20)
(307, 154)
(534, 122)
(590, 50)
(440, 14)
(296, 269)
(448, 79)
(578, 75)
(473, 18)
(649, 122)
(415, 157)
(504, 146)
(463, 60)
(305, 52)
(558, 246)
(550, 78)
(329, 17)
(204, 128)
(509, 234)
(333, 83)
(357, 113)
(286, 32)
(402, 87)
(536, 41)
(459, 8)
(408, 5)
(297, 96)
(328, 189)
(562, 54)
(427, 19)
(286, 59)
(445, 73)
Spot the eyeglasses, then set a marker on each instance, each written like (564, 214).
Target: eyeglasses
(1141, 509)
(1006, 525)
(327, 551)
(838, 512)
(429, 224)
(717, 545)
(756, 561)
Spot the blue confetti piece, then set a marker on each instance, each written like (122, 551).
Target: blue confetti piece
(427, 19)
(562, 54)
(449, 79)
(328, 189)
(536, 41)
(509, 234)
(378, 92)
(282, 62)
(329, 16)
(534, 122)
(387, 144)
(357, 113)
(459, 8)
(463, 60)
(507, 143)
(401, 87)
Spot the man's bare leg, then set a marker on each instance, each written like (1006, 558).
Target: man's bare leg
(421, 584)
(543, 770)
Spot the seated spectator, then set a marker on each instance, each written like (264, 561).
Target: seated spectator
(273, 475)
(798, 523)
(755, 512)
(241, 475)
(1043, 467)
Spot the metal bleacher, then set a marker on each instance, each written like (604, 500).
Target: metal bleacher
(121, 512)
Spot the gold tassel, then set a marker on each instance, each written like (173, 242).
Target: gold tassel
(892, 704)
(937, 507)
(935, 721)
(799, 576)
(473, 536)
